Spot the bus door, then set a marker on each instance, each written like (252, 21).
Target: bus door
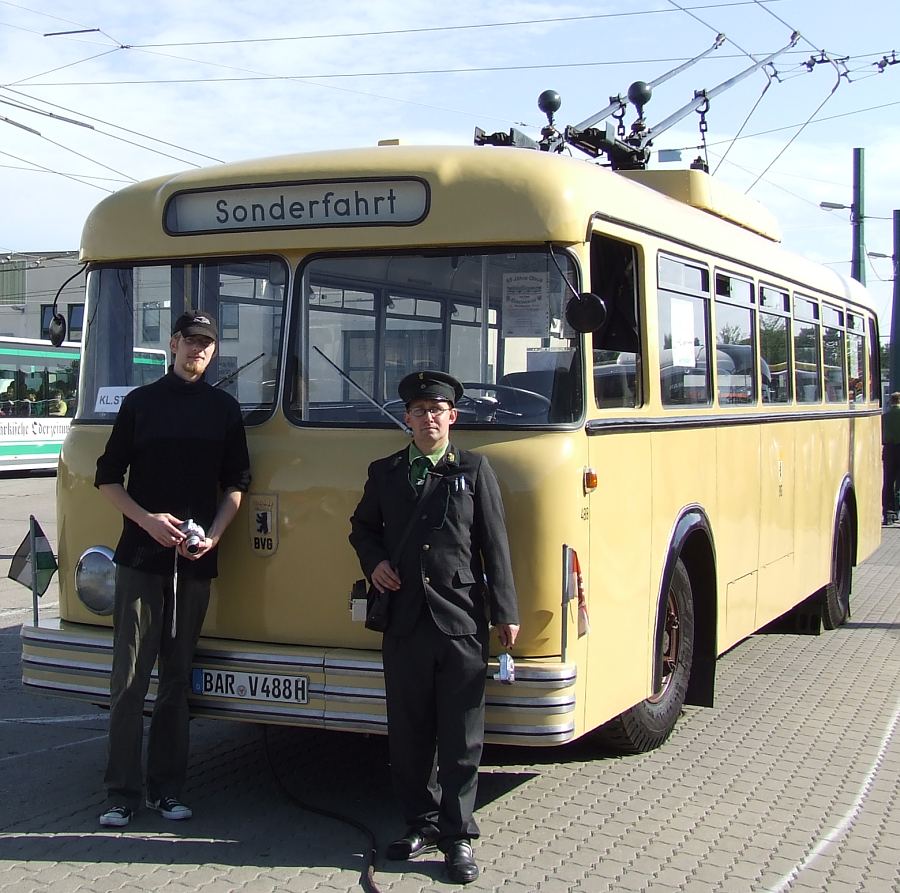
(619, 509)
(776, 535)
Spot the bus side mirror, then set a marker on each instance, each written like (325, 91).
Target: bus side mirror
(586, 313)
(57, 329)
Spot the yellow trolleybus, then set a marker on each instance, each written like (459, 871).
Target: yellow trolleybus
(701, 461)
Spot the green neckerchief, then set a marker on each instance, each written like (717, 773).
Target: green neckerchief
(419, 463)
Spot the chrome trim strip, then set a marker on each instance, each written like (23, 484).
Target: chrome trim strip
(539, 688)
(621, 424)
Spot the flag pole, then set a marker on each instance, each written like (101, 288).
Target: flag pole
(32, 544)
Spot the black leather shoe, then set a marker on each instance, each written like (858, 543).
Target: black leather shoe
(414, 841)
(460, 861)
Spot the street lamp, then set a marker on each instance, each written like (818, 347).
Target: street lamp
(857, 270)
(857, 216)
(889, 257)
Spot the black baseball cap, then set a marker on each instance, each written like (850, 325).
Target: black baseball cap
(429, 384)
(196, 323)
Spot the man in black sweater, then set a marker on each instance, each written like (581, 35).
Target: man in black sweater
(182, 443)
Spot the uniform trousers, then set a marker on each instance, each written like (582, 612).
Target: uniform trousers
(142, 632)
(434, 687)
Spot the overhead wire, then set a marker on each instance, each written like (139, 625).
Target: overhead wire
(31, 170)
(85, 157)
(825, 58)
(373, 74)
(62, 67)
(803, 127)
(689, 10)
(41, 12)
(745, 122)
(146, 136)
(77, 178)
(786, 25)
(114, 136)
(442, 28)
(871, 108)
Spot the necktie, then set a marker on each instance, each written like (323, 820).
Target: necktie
(417, 471)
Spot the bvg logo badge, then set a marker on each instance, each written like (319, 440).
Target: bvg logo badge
(263, 523)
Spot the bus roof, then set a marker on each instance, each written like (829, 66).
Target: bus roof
(539, 196)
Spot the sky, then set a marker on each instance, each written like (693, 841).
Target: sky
(167, 85)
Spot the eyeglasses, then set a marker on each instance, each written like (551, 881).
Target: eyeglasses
(198, 341)
(420, 412)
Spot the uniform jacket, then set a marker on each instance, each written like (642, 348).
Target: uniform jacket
(457, 556)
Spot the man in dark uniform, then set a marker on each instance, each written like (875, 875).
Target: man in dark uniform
(453, 575)
(890, 455)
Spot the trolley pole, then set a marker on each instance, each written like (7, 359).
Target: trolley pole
(857, 219)
(894, 351)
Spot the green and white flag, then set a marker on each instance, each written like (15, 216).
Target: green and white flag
(34, 572)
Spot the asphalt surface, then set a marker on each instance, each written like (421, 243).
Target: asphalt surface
(790, 782)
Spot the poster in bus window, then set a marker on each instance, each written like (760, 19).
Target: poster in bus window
(683, 352)
(526, 305)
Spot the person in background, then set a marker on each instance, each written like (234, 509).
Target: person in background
(453, 575)
(58, 405)
(183, 444)
(8, 406)
(890, 456)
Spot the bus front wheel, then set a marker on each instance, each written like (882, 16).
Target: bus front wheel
(647, 725)
(836, 604)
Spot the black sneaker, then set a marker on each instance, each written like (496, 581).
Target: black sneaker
(170, 808)
(116, 817)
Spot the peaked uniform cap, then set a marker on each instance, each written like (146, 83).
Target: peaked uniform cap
(429, 384)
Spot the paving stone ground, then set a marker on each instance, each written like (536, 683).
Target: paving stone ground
(790, 782)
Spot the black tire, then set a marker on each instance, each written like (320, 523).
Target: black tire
(836, 603)
(647, 725)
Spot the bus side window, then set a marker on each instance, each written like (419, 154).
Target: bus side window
(616, 347)
(684, 337)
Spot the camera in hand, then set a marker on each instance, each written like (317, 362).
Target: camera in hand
(194, 535)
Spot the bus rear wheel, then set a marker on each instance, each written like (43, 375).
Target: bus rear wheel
(836, 604)
(647, 725)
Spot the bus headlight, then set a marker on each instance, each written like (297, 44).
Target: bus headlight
(95, 580)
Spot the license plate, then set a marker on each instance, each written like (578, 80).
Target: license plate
(251, 686)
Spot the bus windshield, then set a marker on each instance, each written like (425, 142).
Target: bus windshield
(493, 320)
(132, 309)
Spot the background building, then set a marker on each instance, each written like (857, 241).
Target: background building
(28, 284)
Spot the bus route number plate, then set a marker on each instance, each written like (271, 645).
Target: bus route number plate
(250, 686)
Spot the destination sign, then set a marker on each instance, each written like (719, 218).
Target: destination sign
(402, 201)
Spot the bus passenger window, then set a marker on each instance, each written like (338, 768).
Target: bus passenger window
(735, 351)
(834, 355)
(683, 333)
(775, 358)
(735, 340)
(807, 378)
(856, 363)
(616, 347)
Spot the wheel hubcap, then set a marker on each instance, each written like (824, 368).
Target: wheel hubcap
(670, 646)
